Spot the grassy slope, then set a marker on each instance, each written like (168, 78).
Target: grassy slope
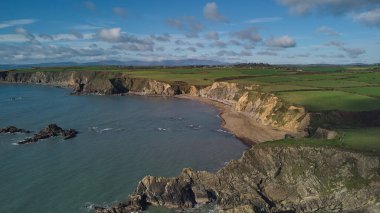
(316, 88)
(367, 140)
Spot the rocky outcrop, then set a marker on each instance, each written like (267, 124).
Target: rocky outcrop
(270, 179)
(52, 130)
(13, 129)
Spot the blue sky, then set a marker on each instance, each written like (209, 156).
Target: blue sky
(270, 31)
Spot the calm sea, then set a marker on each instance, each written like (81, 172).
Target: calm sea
(121, 139)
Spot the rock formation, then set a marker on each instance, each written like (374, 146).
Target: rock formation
(270, 179)
(52, 130)
(13, 129)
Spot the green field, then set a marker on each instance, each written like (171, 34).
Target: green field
(364, 139)
(347, 88)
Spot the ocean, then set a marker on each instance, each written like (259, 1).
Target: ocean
(121, 139)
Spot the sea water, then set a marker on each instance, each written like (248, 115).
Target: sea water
(121, 139)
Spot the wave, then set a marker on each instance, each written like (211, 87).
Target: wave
(98, 130)
(194, 127)
(161, 129)
(15, 98)
(224, 131)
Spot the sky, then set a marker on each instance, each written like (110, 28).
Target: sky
(267, 31)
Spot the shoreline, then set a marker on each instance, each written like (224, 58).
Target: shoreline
(240, 124)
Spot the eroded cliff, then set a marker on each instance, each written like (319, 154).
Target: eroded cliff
(263, 108)
(270, 179)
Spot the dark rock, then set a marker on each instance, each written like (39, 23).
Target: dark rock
(52, 130)
(69, 133)
(13, 129)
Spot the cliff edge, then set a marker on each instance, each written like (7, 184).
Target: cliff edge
(270, 179)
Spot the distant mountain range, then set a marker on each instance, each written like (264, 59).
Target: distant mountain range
(185, 62)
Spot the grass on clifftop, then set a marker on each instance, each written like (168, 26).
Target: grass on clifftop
(363, 139)
(318, 88)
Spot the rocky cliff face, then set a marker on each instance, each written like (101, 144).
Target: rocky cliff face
(261, 107)
(102, 83)
(270, 179)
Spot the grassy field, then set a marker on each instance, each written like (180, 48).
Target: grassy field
(347, 88)
(365, 139)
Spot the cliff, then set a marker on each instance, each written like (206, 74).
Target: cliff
(259, 107)
(102, 83)
(270, 179)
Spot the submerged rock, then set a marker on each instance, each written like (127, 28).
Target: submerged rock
(52, 130)
(270, 179)
(13, 129)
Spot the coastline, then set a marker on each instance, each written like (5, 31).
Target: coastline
(240, 124)
(281, 178)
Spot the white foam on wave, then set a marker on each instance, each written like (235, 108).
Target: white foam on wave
(161, 129)
(97, 130)
(194, 127)
(15, 98)
(224, 131)
(15, 144)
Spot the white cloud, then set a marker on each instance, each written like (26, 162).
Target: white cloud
(16, 22)
(189, 25)
(12, 38)
(328, 31)
(85, 27)
(25, 33)
(302, 7)
(264, 20)
(110, 35)
(250, 34)
(371, 17)
(351, 52)
(210, 11)
(281, 42)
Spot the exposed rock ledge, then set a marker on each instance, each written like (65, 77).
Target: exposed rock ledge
(270, 179)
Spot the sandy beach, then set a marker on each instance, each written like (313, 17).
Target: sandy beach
(241, 125)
